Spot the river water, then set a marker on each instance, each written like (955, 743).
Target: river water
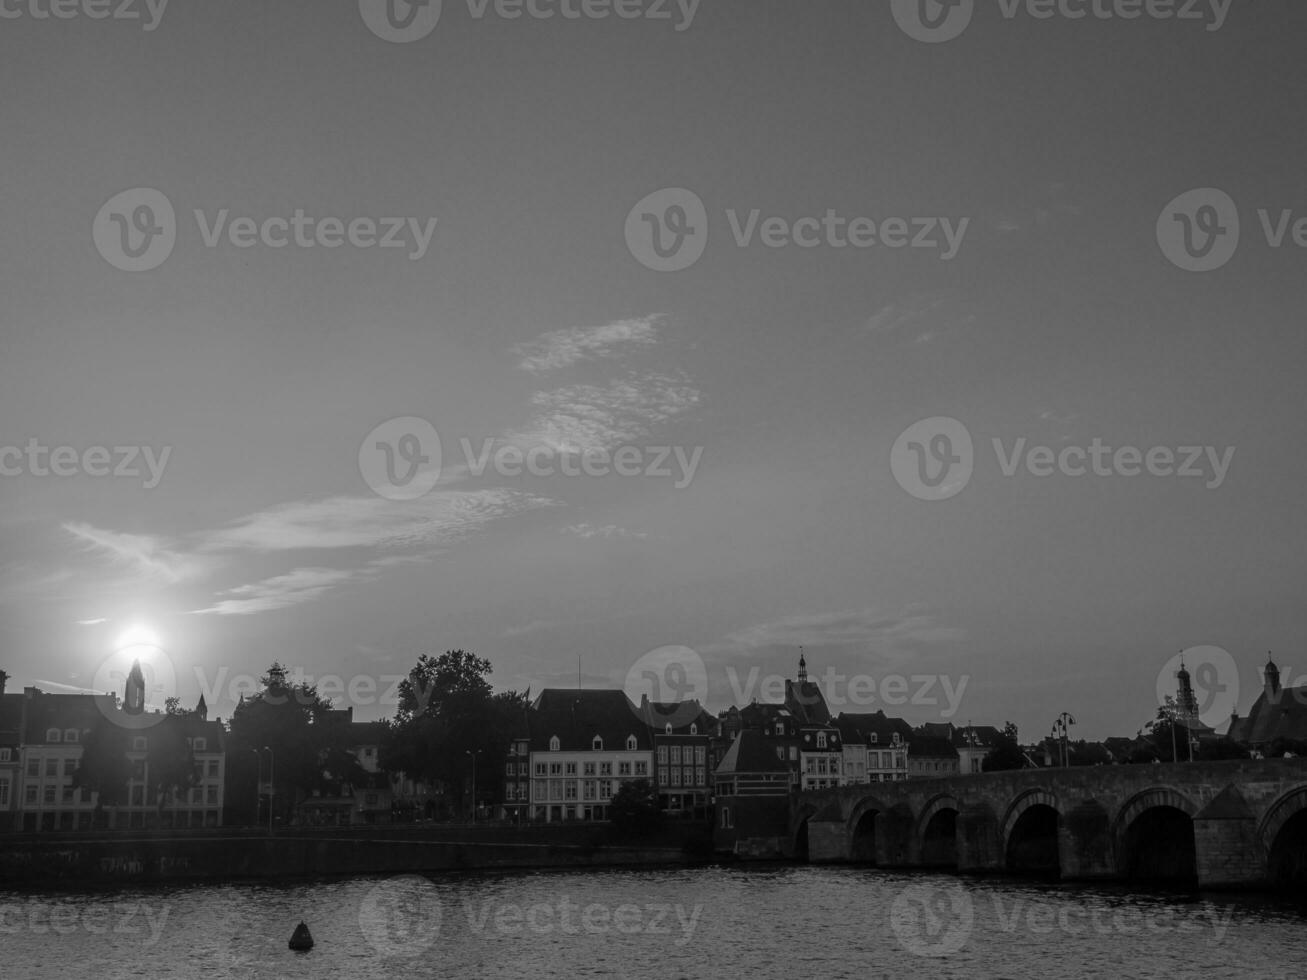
(722, 922)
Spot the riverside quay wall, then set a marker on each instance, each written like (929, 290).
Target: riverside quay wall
(132, 858)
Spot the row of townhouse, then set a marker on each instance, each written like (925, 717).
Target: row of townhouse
(578, 747)
(42, 740)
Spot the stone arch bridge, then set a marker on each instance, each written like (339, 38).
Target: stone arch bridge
(1233, 824)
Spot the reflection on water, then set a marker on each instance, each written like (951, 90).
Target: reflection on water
(757, 922)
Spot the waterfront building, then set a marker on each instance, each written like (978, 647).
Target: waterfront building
(1278, 714)
(584, 745)
(821, 752)
(931, 756)
(11, 746)
(681, 732)
(752, 788)
(875, 747)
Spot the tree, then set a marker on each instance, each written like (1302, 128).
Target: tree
(291, 719)
(635, 808)
(1218, 749)
(104, 768)
(1006, 754)
(171, 764)
(447, 715)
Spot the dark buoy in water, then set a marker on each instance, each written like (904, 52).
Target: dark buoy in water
(302, 940)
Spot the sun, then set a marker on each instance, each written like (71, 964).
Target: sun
(138, 638)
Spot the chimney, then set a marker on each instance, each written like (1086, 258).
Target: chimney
(3, 679)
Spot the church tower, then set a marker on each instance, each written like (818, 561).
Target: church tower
(803, 669)
(134, 693)
(202, 709)
(1272, 674)
(1186, 702)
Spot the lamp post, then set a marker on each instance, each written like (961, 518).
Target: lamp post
(474, 755)
(1060, 729)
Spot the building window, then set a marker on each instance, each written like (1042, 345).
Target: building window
(895, 739)
(68, 795)
(4, 755)
(569, 789)
(31, 795)
(642, 768)
(631, 743)
(623, 769)
(780, 752)
(676, 777)
(588, 769)
(821, 740)
(33, 768)
(570, 769)
(52, 735)
(555, 768)
(589, 789)
(780, 728)
(874, 739)
(662, 755)
(70, 766)
(694, 729)
(4, 793)
(699, 754)
(676, 755)
(49, 795)
(554, 743)
(605, 768)
(605, 789)
(597, 745)
(541, 769)
(662, 775)
(667, 729)
(51, 767)
(70, 735)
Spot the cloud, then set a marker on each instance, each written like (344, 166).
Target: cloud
(280, 591)
(895, 315)
(368, 522)
(893, 636)
(92, 622)
(593, 418)
(607, 531)
(144, 554)
(563, 348)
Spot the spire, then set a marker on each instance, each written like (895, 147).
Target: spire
(1272, 674)
(803, 668)
(202, 709)
(1185, 699)
(134, 690)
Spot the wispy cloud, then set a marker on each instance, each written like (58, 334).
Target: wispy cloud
(563, 348)
(890, 636)
(588, 418)
(92, 622)
(367, 522)
(892, 316)
(280, 591)
(144, 554)
(606, 531)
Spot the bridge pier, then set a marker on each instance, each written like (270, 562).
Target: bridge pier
(1085, 849)
(1228, 849)
(978, 843)
(828, 842)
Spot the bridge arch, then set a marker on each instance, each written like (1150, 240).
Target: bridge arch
(1282, 835)
(937, 831)
(862, 829)
(1030, 833)
(799, 825)
(1153, 835)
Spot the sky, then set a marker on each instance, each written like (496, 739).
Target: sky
(864, 225)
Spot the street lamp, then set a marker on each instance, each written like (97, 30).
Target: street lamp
(1060, 726)
(258, 782)
(474, 780)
